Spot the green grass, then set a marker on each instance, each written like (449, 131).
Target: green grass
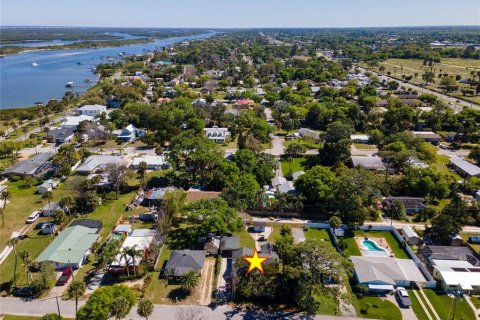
(246, 239)
(298, 164)
(417, 307)
(442, 304)
(275, 234)
(317, 234)
(327, 301)
(393, 244)
(379, 309)
(465, 237)
(476, 301)
(363, 146)
(441, 165)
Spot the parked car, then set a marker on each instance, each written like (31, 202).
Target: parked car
(66, 275)
(23, 292)
(33, 217)
(402, 295)
(48, 228)
(39, 225)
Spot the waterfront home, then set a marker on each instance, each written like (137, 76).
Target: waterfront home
(70, 248)
(92, 110)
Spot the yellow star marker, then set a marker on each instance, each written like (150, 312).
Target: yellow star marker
(255, 261)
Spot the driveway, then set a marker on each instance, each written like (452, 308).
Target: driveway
(277, 149)
(222, 294)
(407, 313)
(298, 235)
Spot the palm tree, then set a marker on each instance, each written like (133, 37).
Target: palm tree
(133, 252)
(76, 289)
(145, 308)
(13, 243)
(125, 255)
(48, 196)
(190, 280)
(142, 170)
(27, 263)
(5, 196)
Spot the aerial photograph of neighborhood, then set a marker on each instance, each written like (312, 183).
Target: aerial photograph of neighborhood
(217, 160)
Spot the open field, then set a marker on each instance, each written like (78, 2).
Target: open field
(450, 66)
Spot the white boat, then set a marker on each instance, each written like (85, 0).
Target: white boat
(34, 64)
(69, 84)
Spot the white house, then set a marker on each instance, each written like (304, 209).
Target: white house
(217, 134)
(360, 138)
(97, 162)
(92, 110)
(457, 275)
(48, 185)
(72, 122)
(153, 162)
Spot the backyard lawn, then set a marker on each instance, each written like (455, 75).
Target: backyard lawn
(443, 304)
(393, 244)
(327, 301)
(297, 164)
(317, 234)
(377, 308)
(246, 239)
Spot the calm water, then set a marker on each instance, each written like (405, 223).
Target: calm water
(21, 85)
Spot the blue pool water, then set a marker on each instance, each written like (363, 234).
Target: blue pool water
(372, 246)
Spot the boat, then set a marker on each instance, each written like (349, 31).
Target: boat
(34, 64)
(79, 63)
(110, 59)
(120, 54)
(69, 84)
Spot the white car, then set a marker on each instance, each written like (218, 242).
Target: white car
(33, 217)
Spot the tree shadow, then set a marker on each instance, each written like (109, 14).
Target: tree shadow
(178, 294)
(178, 240)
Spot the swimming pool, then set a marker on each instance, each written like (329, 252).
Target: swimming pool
(371, 248)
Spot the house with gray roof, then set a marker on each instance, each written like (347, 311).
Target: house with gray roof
(48, 185)
(464, 167)
(229, 244)
(182, 261)
(98, 162)
(70, 248)
(368, 163)
(61, 135)
(49, 209)
(386, 273)
(35, 167)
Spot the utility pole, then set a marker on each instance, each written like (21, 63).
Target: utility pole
(58, 307)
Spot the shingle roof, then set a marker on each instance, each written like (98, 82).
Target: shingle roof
(30, 166)
(89, 223)
(371, 163)
(70, 245)
(182, 261)
(230, 243)
(95, 161)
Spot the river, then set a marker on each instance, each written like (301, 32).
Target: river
(21, 85)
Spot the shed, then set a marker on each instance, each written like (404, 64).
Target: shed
(410, 235)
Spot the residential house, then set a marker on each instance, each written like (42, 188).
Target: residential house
(212, 247)
(182, 261)
(130, 133)
(307, 133)
(369, 163)
(70, 248)
(153, 162)
(464, 167)
(428, 136)
(411, 237)
(241, 252)
(140, 239)
(360, 138)
(217, 134)
(229, 244)
(456, 268)
(267, 250)
(49, 209)
(88, 223)
(92, 110)
(34, 167)
(259, 226)
(297, 174)
(122, 229)
(286, 187)
(99, 162)
(243, 104)
(48, 185)
(72, 122)
(61, 135)
(382, 274)
(411, 204)
(277, 181)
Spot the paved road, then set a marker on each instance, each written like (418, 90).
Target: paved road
(21, 307)
(453, 101)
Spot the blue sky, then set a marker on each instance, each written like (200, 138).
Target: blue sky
(240, 13)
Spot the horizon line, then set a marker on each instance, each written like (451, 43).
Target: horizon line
(248, 28)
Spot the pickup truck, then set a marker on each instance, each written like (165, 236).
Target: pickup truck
(402, 295)
(66, 275)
